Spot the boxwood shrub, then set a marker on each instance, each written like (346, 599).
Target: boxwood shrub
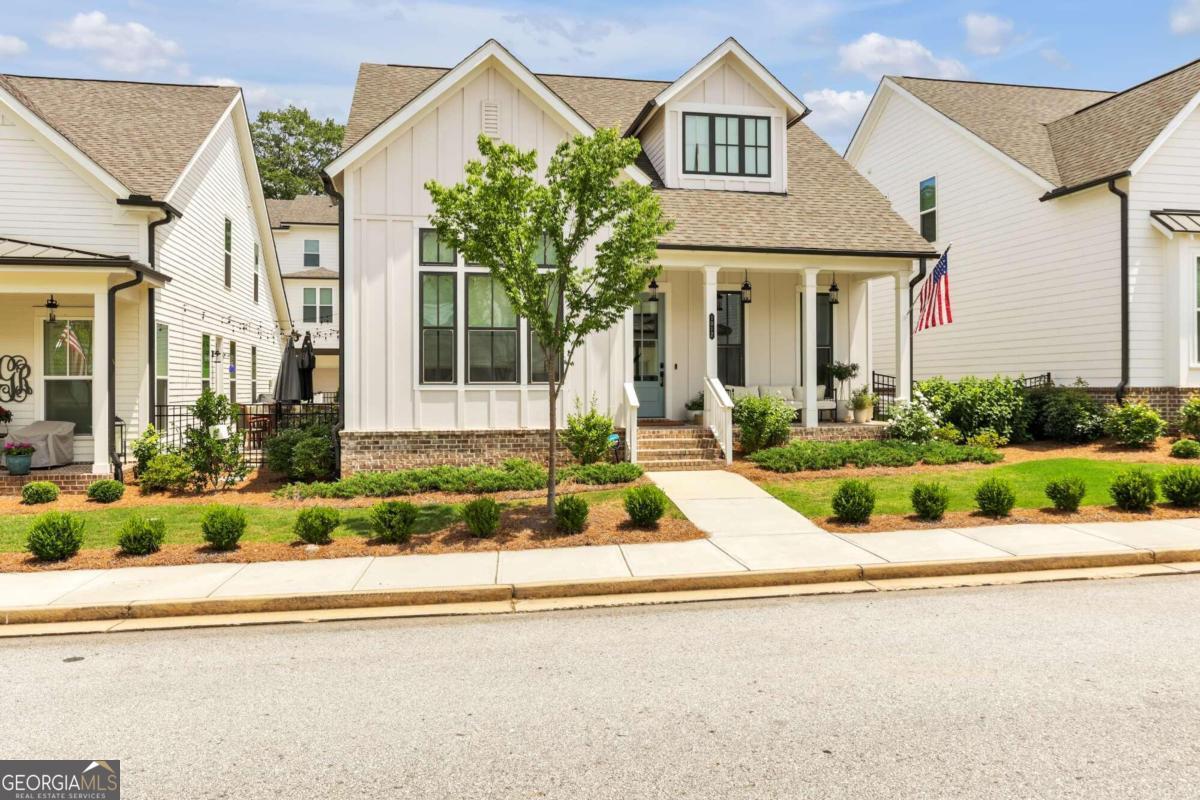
(223, 526)
(315, 525)
(1134, 490)
(762, 421)
(55, 536)
(1186, 448)
(930, 500)
(482, 517)
(1066, 493)
(995, 497)
(1134, 424)
(1181, 485)
(106, 490)
(140, 536)
(394, 520)
(853, 501)
(645, 505)
(570, 514)
(604, 473)
(37, 493)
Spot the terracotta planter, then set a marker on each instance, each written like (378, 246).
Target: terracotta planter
(862, 415)
(18, 465)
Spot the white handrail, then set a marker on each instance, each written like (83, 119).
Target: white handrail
(718, 415)
(631, 422)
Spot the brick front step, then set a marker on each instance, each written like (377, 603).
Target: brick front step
(679, 454)
(674, 464)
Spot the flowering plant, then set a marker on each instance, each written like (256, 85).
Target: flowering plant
(18, 449)
(5, 415)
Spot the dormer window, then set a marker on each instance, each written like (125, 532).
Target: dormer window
(722, 144)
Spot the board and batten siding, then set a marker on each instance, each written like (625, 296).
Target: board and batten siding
(1036, 286)
(46, 199)
(192, 251)
(387, 204)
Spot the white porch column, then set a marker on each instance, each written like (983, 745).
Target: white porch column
(858, 348)
(101, 415)
(710, 321)
(903, 328)
(809, 343)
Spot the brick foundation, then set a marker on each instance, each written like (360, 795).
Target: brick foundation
(379, 451)
(828, 432)
(73, 479)
(1166, 400)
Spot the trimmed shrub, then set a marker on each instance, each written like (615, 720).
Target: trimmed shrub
(37, 493)
(995, 497)
(394, 520)
(913, 421)
(1185, 448)
(314, 525)
(106, 490)
(603, 473)
(1134, 424)
(515, 474)
(976, 404)
(1134, 490)
(645, 505)
(804, 455)
(587, 432)
(570, 514)
(302, 454)
(1189, 417)
(482, 517)
(140, 536)
(166, 472)
(1068, 414)
(930, 500)
(223, 526)
(1066, 493)
(854, 501)
(1181, 485)
(55, 536)
(986, 438)
(763, 421)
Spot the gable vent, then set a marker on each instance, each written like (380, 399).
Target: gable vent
(491, 118)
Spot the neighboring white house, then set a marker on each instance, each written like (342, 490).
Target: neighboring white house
(436, 366)
(136, 259)
(306, 238)
(1026, 184)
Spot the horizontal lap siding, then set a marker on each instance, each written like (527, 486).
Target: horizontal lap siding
(289, 244)
(192, 251)
(1035, 285)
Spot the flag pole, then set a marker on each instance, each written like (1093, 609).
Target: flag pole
(912, 339)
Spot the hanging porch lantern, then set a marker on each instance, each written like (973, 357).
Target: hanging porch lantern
(833, 292)
(653, 290)
(746, 288)
(52, 307)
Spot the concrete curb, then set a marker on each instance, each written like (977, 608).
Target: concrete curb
(516, 593)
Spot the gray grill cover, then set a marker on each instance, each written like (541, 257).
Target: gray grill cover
(55, 442)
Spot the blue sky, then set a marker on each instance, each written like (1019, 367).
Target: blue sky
(830, 52)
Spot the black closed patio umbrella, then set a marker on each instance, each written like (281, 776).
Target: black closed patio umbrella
(287, 383)
(306, 360)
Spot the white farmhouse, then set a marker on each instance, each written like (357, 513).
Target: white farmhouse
(136, 260)
(306, 239)
(765, 277)
(1072, 217)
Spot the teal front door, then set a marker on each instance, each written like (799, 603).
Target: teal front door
(649, 366)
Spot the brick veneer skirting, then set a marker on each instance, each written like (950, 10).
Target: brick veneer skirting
(1166, 400)
(71, 480)
(376, 451)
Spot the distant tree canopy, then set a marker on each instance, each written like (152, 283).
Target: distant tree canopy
(291, 147)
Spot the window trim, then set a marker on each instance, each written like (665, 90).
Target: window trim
(42, 411)
(422, 327)
(421, 234)
(933, 210)
(231, 384)
(162, 352)
(317, 305)
(228, 253)
(712, 145)
(305, 253)
(468, 329)
(253, 374)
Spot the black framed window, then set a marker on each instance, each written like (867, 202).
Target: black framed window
(492, 351)
(537, 352)
(312, 253)
(824, 343)
(434, 251)
(437, 335)
(731, 339)
(228, 253)
(722, 144)
(928, 201)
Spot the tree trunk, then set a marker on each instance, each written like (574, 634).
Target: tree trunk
(552, 472)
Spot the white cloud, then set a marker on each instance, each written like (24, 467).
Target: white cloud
(1185, 17)
(835, 113)
(11, 45)
(321, 100)
(988, 35)
(1053, 56)
(874, 54)
(128, 47)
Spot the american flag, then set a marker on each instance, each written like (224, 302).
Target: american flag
(71, 340)
(935, 296)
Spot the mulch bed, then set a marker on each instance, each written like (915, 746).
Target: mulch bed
(523, 528)
(1041, 516)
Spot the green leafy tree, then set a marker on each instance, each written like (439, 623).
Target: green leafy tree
(291, 147)
(504, 218)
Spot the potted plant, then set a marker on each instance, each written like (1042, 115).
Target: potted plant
(18, 456)
(696, 406)
(863, 403)
(842, 371)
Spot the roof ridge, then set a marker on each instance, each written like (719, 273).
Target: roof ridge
(539, 74)
(118, 80)
(1003, 83)
(1138, 85)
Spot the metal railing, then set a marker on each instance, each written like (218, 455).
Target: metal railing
(884, 389)
(718, 415)
(253, 422)
(631, 422)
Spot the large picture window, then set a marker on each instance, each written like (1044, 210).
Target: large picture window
(717, 144)
(928, 201)
(492, 350)
(438, 320)
(67, 372)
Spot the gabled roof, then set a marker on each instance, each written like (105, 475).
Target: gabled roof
(304, 209)
(142, 134)
(312, 274)
(1069, 137)
(829, 207)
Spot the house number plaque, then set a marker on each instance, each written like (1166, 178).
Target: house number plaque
(712, 326)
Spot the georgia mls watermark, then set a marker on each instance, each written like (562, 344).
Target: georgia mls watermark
(60, 780)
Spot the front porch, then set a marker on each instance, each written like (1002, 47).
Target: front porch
(705, 335)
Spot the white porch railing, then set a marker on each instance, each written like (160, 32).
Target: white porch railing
(718, 415)
(631, 422)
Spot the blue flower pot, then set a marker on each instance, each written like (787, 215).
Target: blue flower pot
(18, 465)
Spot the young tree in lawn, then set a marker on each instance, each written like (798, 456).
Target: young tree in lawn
(291, 146)
(502, 217)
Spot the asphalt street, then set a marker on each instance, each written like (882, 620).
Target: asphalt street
(1081, 689)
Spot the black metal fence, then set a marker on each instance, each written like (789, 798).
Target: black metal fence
(884, 389)
(254, 423)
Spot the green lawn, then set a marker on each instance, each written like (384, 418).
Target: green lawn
(1029, 478)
